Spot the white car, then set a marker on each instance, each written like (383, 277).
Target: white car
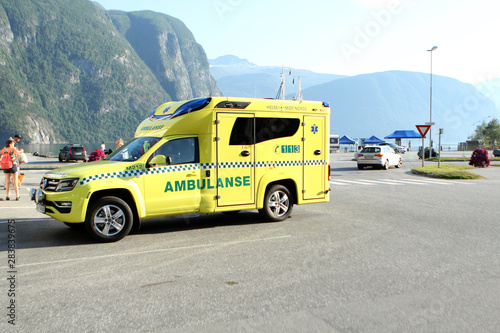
(378, 156)
(397, 149)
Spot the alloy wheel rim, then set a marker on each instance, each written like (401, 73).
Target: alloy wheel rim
(109, 220)
(278, 203)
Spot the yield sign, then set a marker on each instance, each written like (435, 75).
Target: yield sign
(423, 129)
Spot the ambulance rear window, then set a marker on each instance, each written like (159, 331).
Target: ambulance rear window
(247, 131)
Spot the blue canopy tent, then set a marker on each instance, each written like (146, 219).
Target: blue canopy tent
(404, 134)
(345, 140)
(372, 140)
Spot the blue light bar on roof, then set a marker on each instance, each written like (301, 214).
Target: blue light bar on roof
(194, 105)
(189, 106)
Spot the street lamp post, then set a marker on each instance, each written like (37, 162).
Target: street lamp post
(430, 108)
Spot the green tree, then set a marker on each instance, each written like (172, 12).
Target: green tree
(488, 132)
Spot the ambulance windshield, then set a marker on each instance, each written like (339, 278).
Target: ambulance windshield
(133, 150)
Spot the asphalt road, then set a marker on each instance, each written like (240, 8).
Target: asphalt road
(391, 252)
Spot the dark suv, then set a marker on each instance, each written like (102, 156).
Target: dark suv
(73, 152)
(427, 153)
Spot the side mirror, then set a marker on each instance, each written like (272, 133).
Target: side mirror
(158, 160)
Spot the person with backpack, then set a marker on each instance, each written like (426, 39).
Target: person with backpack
(16, 139)
(8, 163)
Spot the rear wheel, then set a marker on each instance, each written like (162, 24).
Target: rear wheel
(360, 167)
(278, 204)
(109, 219)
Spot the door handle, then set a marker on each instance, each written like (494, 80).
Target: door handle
(245, 153)
(192, 174)
(317, 152)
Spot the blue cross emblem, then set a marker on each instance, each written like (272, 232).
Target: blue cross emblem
(314, 129)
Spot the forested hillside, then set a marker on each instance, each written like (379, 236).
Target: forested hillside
(67, 74)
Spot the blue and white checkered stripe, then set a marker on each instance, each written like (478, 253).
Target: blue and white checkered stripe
(121, 174)
(202, 166)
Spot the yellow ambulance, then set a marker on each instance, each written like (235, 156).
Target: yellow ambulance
(204, 155)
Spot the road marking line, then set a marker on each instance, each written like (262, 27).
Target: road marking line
(150, 251)
(338, 183)
(355, 182)
(450, 181)
(405, 182)
(427, 181)
(380, 182)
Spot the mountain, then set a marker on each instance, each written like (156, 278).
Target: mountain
(170, 51)
(231, 61)
(491, 89)
(72, 72)
(239, 77)
(380, 103)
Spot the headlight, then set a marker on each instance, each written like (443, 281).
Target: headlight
(66, 184)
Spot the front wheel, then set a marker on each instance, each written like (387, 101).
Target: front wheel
(109, 219)
(278, 204)
(400, 163)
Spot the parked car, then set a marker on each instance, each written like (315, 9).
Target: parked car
(427, 153)
(397, 149)
(496, 152)
(73, 152)
(378, 156)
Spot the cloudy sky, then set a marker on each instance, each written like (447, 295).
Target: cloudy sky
(347, 37)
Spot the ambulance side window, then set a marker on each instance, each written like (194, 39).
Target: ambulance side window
(263, 129)
(243, 132)
(180, 151)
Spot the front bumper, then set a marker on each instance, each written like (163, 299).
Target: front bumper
(58, 205)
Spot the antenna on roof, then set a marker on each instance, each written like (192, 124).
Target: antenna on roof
(281, 91)
(298, 95)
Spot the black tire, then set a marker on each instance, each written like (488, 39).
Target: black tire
(278, 204)
(60, 159)
(361, 167)
(109, 219)
(75, 226)
(400, 163)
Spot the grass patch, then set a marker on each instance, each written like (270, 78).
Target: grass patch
(458, 159)
(447, 171)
